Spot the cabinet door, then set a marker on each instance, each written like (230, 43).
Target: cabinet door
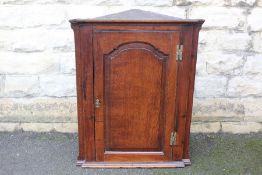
(135, 91)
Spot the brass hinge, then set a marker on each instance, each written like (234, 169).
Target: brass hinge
(173, 138)
(179, 52)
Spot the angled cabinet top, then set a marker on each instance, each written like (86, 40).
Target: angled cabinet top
(137, 16)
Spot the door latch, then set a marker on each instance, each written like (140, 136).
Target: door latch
(97, 103)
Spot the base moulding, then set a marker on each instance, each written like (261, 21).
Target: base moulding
(167, 164)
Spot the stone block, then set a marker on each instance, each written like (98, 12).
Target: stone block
(259, 3)
(154, 2)
(253, 118)
(2, 83)
(218, 109)
(241, 127)
(60, 40)
(241, 3)
(28, 63)
(211, 127)
(217, 40)
(219, 17)
(67, 63)
(253, 19)
(4, 2)
(242, 86)
(201, 64)
(210, 86)
(27, 2)
(86, 11)
(253, 65)
(31, 16)
(58, 85)
(218, 63)
(64, 2)
(20, 86)
(39, 127)
(9, 127)
(26, 40)
(253, 109)
(37, 40)
(38, 110)
(199, 2)
(256, 42)
(102, 2)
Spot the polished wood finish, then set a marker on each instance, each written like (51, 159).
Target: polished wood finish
(132, 92)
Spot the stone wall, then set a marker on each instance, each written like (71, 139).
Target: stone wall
(37, 71)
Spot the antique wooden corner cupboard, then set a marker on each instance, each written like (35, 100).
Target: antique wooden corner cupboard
(135, 81)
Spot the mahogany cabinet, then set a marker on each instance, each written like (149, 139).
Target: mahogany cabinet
(135, 83)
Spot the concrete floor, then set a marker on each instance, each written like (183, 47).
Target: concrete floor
(26, 153)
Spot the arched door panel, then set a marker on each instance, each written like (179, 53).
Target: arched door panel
(134, 98)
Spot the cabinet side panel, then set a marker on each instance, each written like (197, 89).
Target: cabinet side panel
(182, 92)
(191, 90)
(86, 122)
(79, 79)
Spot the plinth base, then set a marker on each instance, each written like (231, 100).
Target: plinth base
(171, 164)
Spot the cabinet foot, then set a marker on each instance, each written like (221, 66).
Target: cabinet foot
(187, 162)
(79, 162)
